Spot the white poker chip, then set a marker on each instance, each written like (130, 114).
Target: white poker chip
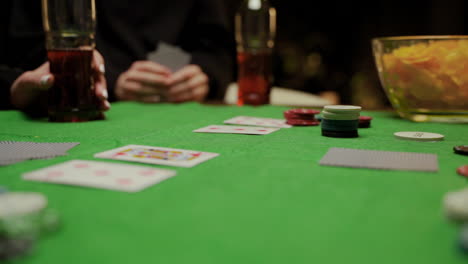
(21, 203)
(339, 116)
(456, 205)
(342, 108)
(419, 136)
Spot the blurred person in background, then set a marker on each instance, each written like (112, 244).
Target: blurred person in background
(126, 32)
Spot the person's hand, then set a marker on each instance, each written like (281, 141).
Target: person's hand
(188, 84)
(144, 81)
(30, 85)
(100, 84)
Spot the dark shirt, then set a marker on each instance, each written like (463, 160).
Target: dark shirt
(127, 30)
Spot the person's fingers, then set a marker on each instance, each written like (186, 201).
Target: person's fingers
(196, 94)
(146, 78)
(184, 74)
(151, 99)
(38, 79)
(28, 85)
(45, 82)
(200, 93)
(98, 62)
(100, 87)
(140, 89)
(194, 89)
(151, 67)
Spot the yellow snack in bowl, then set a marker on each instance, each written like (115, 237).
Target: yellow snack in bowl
(429, 74)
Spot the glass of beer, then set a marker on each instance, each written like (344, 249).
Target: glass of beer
(69, 26)
(255, 25)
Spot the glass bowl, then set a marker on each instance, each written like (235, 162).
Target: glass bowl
(425, 77)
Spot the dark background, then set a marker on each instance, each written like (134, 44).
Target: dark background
(325, 45)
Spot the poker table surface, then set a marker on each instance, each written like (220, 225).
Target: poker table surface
(265, 199)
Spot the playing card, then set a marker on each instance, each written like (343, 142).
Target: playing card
(158, 155)
(170, 56)
(105, 175)
(257, 121)
(249, 130)
(16, 151)
(373, 159)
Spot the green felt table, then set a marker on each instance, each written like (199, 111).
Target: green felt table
(265, 199)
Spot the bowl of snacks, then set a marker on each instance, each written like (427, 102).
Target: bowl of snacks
(425, 77)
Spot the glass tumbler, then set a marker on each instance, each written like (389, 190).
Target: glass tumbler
(69, 27)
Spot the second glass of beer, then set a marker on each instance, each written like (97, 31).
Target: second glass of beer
(255, 32)
(69, 26)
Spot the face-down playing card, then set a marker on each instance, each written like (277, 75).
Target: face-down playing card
(104, 175)
(170, 56)
(375, 159)
(158, 155)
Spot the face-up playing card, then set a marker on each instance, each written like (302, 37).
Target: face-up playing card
(105, 175)
(257, 121)
(248, 130)
(158, 155)
(170, 56)
(373, 159)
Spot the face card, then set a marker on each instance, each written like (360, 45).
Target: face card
(257, 121)
(248, 130)
(104, 175)
(373, 159)
(158, 155)
(170, 56)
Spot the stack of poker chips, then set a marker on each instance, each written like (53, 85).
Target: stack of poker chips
(455, 205)
(340, 121)
(301, 117)
(364, 121)
(24, 217)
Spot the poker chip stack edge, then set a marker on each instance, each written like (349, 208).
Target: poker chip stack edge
(301, 117)
(340, 121)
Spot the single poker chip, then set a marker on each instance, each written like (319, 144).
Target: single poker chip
(302, 122)
(365, 118)
(339, 125)
(463, 150)
(342, 108)
(343, 123)
(456, 205)
(14, 204)
(463, 170)
(340, 134)
(419, 136)
(340, 116)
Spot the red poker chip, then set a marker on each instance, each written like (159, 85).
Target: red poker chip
(296, 122)
(463, 170)
(302, 111)
(301, 117)
(365, 118)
